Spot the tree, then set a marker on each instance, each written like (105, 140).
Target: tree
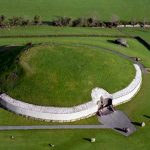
(62, 21)
(2, 20)
(25, 22)
(37, 20)
(93, 22)
(15, 21)
(133, 22)
(114, 20)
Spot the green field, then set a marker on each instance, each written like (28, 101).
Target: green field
(102, 9)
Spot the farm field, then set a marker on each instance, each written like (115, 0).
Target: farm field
(136, 9)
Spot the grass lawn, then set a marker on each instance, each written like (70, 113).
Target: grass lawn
(74, 140)
(65, 75)
(102, 9)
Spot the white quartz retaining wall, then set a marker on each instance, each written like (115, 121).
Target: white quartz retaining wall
(130, 91)
(62, 114)
(66, 114)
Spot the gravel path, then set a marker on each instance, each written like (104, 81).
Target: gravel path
(53, 127)
(118, 121)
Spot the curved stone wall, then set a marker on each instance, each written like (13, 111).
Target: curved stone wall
(130, 91)
(67, 114)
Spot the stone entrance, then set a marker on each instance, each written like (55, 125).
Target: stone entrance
(109, 116)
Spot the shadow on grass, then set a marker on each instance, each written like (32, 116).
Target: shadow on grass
(143, 42)
(8, 56)
(87, 139)
(146, 116)
(112, 41)
(9, 66)
(136, 123)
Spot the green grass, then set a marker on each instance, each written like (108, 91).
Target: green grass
(65, 75)
(144, 33)
(74, 140)
(135, 48)
(49, 30)
(48, 9)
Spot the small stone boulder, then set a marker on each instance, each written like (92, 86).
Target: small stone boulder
(93, 140)
(143, 124)
(122, 42)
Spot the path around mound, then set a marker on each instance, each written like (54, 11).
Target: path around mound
(53, 127)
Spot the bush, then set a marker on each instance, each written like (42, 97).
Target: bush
(62, 21)
(15, 21)
(2, 21)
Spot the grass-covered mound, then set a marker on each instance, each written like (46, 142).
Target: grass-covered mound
(65, 75)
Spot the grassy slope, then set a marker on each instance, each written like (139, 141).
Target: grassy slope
(48, 9)
(135, 49)
(80, 70)
(144, 33)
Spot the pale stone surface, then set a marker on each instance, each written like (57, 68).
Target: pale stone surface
(97, 93)
(93, 140)
(143, 124)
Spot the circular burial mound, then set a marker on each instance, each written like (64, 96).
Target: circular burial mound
(65, 75)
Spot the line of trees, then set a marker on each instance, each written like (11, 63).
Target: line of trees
(19, 21)
(67, 21)
(94, 22)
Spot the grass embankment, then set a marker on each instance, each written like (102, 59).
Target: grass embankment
(65, 75)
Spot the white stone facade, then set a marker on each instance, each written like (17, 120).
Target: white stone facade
(67, 114)
(130, 91)
(97, 93)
